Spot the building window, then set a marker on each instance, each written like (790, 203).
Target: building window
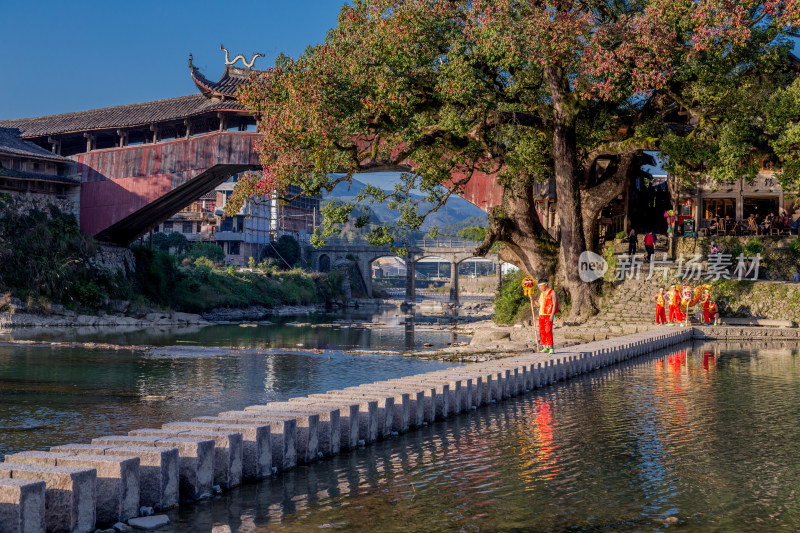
(233, 248)
(187, 227)
(760, 206)
(167, 226)
(227, 224)
(719, 207)
(199, 227)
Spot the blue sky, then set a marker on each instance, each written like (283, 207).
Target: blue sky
(58, 57)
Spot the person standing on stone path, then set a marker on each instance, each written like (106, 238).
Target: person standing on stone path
(548, 307)
(661, 316)
(673, 301)
(650, 244)
(632, 240)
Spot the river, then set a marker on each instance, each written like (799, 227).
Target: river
(52, 394)
(701, 438)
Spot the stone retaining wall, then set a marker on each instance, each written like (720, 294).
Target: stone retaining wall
(302, 430)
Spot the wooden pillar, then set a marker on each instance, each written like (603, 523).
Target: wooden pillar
(55, 145)
(123, 138)
(188, 124)
(154, 129)
(627, 218)
(90, 141)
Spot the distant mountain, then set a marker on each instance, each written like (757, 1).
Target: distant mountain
(457, 213)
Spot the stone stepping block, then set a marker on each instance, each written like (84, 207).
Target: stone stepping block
(445, 397)
(22, 506)
(463, 385)
(422, 398)
(227, 451)
(329, 430)
(70, 494)
(282, 433)
(348, 419)
(256, 450)
(385, 408)
(408, 406)
(501, 379)
(307, 428)
(195, 460)
(484, 386)
(158, 470)
(517, 375)
(117, 480)
(367, 412)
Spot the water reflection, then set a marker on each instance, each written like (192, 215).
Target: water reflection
(353, 329)
(61, 395)
(703, 436)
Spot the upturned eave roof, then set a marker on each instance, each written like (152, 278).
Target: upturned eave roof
(124, 116)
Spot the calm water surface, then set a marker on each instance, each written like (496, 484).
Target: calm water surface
(699, 439)
(57, 395)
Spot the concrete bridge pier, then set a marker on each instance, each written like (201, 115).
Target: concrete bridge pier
(411, 290)
(453, 282)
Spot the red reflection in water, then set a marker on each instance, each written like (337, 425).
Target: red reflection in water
(544, 435)
(709, 361)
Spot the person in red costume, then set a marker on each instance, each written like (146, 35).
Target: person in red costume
(713, 313)
(674, 304)
(710, 313)
(661, 315)
(548, 307)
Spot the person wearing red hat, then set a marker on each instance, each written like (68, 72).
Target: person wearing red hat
(548, 307)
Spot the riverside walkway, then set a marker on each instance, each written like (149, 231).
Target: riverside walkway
(78, 487)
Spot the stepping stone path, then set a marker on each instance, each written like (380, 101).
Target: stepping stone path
(81, 487)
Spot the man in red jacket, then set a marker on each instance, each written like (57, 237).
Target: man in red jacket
(650, 244)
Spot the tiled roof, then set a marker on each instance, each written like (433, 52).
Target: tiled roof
(227, 84)
(9, 173)
(119, 116)
(12, 143)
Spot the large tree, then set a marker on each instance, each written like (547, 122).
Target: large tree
(572, 90)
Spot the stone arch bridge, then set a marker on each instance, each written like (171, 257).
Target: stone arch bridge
(360, 255)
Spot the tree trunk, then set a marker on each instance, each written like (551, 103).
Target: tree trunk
(570, 217)
(674, 195)
(526, 243)
(593, 200)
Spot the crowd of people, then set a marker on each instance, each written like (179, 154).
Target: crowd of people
(754, 224)
(680, 300)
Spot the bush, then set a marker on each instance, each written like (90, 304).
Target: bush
(794, 249)
(171, 241)
(621, 235)
(754, 247)
(207, 249)
(286, 251)
(510, 299)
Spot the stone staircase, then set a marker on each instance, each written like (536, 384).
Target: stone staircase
(626, 309)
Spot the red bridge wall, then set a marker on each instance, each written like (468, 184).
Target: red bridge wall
(119, 181)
